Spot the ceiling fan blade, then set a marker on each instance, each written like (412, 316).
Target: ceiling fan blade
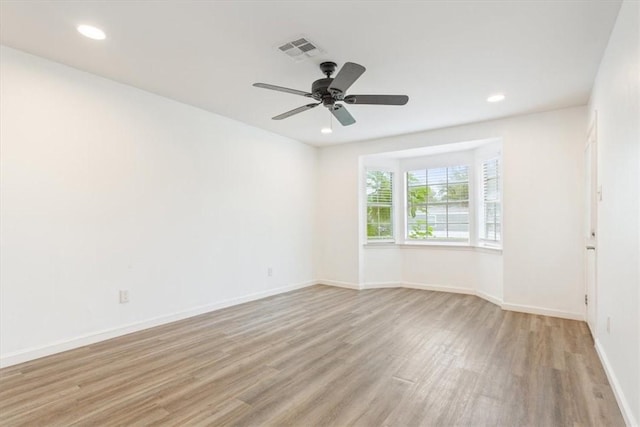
(343, 115)
(296, 111)
(347, 75)
(282, 89)
(377, 99)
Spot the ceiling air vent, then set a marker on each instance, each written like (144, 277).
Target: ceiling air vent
(300, 48)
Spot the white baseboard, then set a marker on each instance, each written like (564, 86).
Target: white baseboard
(94, 337)
(410, 285)
(492, 299)
(615, 386)
(413, 285)
(468, 291)
(381, 285)
(338, 284)
(543, 311)
(438, 288)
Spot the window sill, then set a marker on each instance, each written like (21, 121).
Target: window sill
(489, 249)
(380, 245)
(434, 245)
(441, 245)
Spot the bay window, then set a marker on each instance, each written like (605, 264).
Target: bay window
(435, 195)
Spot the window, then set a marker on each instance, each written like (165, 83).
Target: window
(439, 195)
(438, 204)
(379, 205)
(490, 227)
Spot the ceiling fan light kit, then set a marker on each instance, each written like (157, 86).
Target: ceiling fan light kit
(328, 91)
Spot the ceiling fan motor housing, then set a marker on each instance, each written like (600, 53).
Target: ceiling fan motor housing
(320, 91)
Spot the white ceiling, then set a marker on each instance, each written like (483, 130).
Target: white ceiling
(448, 56)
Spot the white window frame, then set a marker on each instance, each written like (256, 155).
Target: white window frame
(461, 158)
(470, 177)
(394, 203)
(483, 156)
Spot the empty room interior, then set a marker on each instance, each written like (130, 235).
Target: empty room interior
(320, 213)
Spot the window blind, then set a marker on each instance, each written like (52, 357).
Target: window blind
(379, 205)
(438, 204)
(491, 199)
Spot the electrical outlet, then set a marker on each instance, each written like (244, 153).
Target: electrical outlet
(270, 271)
(124, 296)
(608, 324)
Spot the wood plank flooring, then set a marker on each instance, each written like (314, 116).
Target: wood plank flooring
(325, 356)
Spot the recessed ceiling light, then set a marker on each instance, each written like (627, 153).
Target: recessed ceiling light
(496, 98)
(326, 130)
(91, 32)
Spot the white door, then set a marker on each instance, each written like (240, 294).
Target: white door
(591, 209)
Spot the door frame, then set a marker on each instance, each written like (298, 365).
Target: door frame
(591, 228)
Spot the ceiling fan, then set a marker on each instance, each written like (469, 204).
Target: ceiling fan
(328, 91)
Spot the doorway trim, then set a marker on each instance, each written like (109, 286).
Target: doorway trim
(591, 225)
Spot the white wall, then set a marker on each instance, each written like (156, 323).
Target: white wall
(616, 99)
(106, 187)
(443, 267)
(542, 261)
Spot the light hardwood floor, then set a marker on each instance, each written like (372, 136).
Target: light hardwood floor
(326, 356)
